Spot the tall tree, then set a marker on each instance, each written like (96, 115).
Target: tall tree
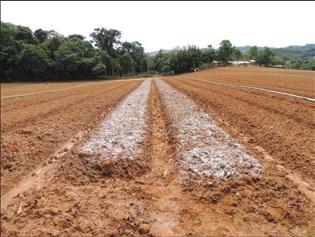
(159, 60)
(253, 52)
(237, 54)
(40, 35)
(99, 70)
(136, 51)
(127, 64)
(9, 49)
(25, 34)
(225, 51)
(265, 57)
(184, 59)
(76, 58)
(33, 62)
(208, 54)
(51, 46)
(106, 39)
(107, 60)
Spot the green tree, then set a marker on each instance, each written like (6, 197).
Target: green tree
(99, 70)
(9, 49)
(116, 67)
(86, 65)
(25, 34)
(225, 52)
(7, 32)
(107, 60)
(208, 55)
(265, 57)
(136, 51)
(237, 54)
(40, 35)
(309, 65)
(159, 60)
(253, 52)
(106, 40)
(147, 64)
(51, 46)
(127, 64)
(76, 58)
(184, 59)
(33, 62)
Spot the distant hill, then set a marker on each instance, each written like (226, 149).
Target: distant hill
(245, 49)
(152, 54)
(305, 51)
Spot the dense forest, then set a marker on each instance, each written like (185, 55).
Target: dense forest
(48, 55)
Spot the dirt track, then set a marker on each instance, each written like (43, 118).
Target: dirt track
(158, 183)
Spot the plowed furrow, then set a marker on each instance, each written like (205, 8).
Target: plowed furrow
(28, 101)
(288, 141)
(39, 138)
(161, 182)
(272, 104)
(298, 82)
(159, 158)
(40, 110)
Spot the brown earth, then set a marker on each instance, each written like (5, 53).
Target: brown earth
(281, 126)
(73, 195)
(290, 81)
(11, 89)
(34, 128)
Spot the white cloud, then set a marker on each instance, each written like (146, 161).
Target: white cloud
(168, 24)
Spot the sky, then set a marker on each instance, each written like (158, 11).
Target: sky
(170, 24)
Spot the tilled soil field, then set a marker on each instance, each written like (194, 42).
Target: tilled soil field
(169, 156)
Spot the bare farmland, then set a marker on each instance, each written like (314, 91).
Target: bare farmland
(167, 156)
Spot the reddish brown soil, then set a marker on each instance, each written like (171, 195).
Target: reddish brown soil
(290, 81)
(34, 128)
(71, 195)
(282, 126)
(10, 89)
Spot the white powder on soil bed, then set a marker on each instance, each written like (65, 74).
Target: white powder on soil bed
(120, 134)
(203, 147)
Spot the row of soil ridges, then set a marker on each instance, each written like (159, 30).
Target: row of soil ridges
(290, 81)
(283, 127)
(34, 128)
(167, 157)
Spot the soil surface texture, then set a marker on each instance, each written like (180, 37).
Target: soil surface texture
(168, 156)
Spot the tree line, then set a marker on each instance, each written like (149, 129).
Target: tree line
(184, 59)
(48, 55)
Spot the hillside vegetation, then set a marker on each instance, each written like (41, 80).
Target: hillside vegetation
(48, 55)
(294, 57)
